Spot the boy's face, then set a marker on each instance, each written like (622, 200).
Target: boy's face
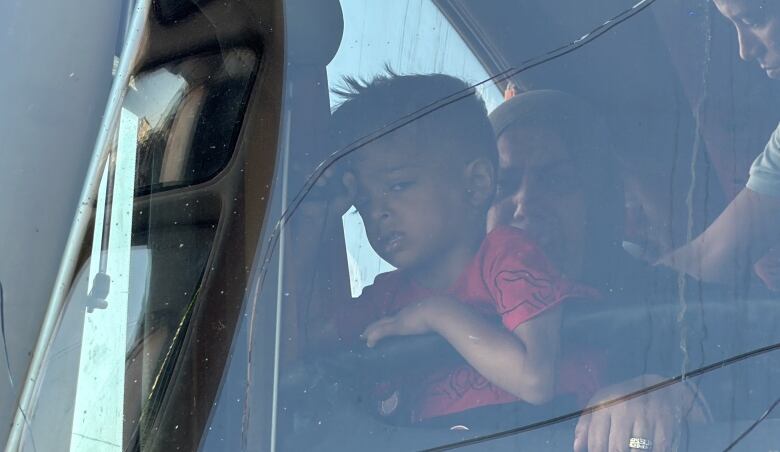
(758, 31)
(414, 203)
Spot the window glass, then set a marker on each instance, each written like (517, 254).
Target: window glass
(487, 262)
(507, 225)
(190, 115)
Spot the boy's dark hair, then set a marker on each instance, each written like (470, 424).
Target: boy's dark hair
(461, 127)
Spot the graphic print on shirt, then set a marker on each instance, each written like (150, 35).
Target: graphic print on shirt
(541, 290)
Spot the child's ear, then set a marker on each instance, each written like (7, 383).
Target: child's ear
(480, 182)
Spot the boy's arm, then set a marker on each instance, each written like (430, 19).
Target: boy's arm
(740, 236)
(315, 287)
(522, 362)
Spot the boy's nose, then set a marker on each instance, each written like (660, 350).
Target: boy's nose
(379, 211)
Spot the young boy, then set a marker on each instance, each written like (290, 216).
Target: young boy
(423, 192)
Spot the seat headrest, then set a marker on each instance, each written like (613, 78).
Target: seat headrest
(314, 30)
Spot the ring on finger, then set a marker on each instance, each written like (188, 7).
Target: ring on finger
(640, 443)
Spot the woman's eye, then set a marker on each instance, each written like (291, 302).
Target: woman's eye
(562, 183)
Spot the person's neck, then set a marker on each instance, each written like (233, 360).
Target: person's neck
(443, 271)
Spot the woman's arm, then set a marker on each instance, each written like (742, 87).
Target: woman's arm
(740, 236)
(522, 362)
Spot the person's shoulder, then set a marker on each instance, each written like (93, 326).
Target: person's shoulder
(508, 249)
(508, 240)
(384, 284)
(388, 278)
(773, 145)
(774, 140)
(507, 234)
(765, 170)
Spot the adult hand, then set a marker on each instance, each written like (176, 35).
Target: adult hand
(656, 416)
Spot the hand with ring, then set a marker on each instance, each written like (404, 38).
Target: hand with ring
(639, 443)
(649, 422)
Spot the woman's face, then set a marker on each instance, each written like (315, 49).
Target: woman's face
(758, 31)
(540, 191)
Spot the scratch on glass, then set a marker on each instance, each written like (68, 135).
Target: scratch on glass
(689, 201)
(8, 365)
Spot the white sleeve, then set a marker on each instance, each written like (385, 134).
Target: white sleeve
(765, 171)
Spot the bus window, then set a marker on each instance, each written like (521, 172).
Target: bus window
(191, 113)
(591, 166)
(151, 243)
(429, 225)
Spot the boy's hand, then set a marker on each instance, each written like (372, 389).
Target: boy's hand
(415, 319)
(331, 196)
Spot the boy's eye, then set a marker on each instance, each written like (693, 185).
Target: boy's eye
(400, 186)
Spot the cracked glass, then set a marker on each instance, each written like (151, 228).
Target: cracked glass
(431, 225)
(624, 137)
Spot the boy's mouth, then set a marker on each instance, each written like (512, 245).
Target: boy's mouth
(392, 242)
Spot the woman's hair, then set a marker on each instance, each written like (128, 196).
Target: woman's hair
(591, 146)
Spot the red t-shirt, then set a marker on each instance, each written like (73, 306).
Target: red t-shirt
(509, 277)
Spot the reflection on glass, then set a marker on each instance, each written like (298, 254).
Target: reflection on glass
(98, 414)
(190, 114)
(117, 344)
